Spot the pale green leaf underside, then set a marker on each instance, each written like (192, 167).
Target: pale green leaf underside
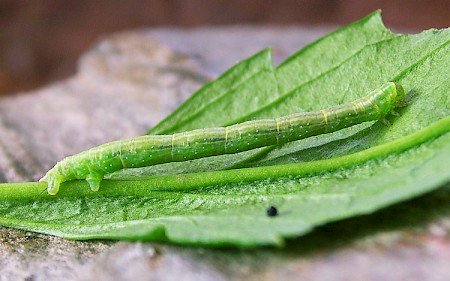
(312, 182)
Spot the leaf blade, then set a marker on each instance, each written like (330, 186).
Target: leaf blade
(338, 176)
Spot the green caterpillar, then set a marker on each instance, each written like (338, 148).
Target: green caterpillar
(142, 151)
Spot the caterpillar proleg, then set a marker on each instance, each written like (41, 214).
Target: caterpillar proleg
(148, 150)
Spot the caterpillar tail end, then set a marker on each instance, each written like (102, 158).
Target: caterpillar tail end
(400, 97)
(53, 184)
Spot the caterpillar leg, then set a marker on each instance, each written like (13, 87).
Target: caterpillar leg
(386, 122)
(395, 113)
(401, 103)
(53, 184)
(94, 180)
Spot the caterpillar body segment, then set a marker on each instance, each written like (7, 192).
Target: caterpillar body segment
(148, 150)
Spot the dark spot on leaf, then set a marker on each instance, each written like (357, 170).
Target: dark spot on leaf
(272, 211)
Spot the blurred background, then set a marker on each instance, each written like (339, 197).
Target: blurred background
(40, 41)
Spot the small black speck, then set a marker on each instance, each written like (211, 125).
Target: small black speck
(272, 211)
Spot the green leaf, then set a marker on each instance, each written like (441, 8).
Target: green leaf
(311, 182)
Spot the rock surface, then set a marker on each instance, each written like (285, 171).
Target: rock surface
(125, 85)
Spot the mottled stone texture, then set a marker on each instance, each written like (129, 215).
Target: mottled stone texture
(124, 85)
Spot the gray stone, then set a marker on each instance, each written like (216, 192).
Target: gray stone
(125, 85)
